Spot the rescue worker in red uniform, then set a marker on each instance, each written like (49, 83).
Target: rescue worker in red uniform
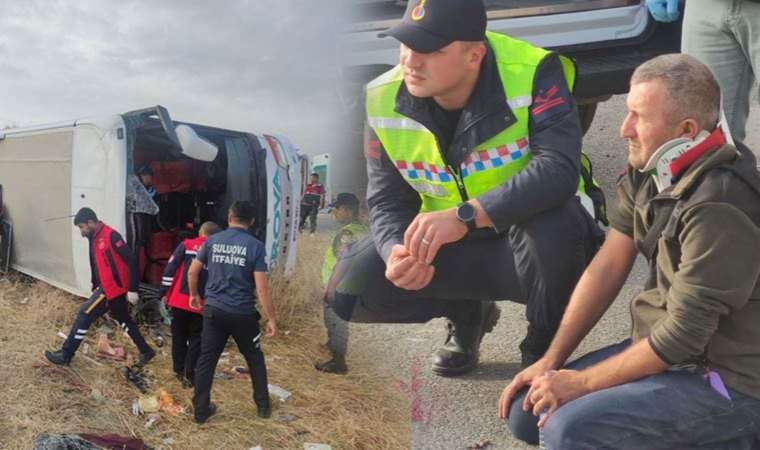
(114, 281)
(187, 323)
(313, 200)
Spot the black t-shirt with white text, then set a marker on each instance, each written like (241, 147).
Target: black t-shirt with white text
(231, 257)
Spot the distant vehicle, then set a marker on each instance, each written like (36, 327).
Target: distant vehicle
(607, 39)
(48, 172)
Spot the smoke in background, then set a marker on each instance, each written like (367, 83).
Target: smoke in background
(258, 65)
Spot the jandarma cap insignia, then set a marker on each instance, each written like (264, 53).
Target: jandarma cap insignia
(419, 11)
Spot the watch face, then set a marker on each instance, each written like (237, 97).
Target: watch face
(466, 212)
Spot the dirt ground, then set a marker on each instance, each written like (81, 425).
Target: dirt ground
(358, 411)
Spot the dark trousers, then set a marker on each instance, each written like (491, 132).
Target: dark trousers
(675, 409)
(537, 263)
(186, 341)
(309, 212)
(91, 310)
(218, 326)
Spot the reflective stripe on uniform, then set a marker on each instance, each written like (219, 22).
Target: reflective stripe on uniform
(395, 123)
(522, 101)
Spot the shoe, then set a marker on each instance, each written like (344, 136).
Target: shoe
(264, 412)
(57, 358)
(211, 412)
(145, 358)
(535, 344)
(186, 383)
(461, 350)
(333, 365)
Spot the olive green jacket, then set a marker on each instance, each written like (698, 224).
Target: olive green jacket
(701, 303)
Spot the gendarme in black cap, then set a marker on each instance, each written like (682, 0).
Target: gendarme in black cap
(429, 25)
(345, 198)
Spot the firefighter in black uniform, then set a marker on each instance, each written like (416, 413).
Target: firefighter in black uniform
(114, 282)
(237, 280)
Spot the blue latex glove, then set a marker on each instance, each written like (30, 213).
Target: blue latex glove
(663, 10)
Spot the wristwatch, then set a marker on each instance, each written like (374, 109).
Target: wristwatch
(466, 215)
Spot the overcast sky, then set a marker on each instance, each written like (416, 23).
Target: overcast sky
(258, 65)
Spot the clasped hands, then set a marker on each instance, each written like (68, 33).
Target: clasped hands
(410, 266)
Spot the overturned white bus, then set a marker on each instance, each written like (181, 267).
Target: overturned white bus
(48, 172)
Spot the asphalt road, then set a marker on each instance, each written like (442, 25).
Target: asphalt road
(454, 413)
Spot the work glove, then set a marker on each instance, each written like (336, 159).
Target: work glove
(663, 10)
(132, 297)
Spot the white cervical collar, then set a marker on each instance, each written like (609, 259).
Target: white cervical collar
(659, 164)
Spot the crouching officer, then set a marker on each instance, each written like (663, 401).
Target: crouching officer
(345, 211)
(477, 190)
(114, 280)
(237, 276)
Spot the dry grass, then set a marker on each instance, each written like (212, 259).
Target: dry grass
(358, 411)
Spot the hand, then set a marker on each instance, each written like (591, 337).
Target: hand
(133, 297)
(405, 272)
(195, 302)
(271, 328)
(663, 10)
(522, 379)
(552, 390)
(429, 231)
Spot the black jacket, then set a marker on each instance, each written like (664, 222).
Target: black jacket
(548, 181)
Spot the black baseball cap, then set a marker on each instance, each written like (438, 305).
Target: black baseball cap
(345, 199)
(429, 25)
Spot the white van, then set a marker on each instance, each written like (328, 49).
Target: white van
(48, 172)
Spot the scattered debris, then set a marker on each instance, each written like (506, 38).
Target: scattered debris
(287, 418)
(158, 338)
(136, 378)
(61, 335)
(311, 446)
(86, 348)
(47, 441)
(481, 444)
(167, 404)
(168, 441)
(24, 301)
(97, 396)
(152, 419)
(105, 329)
(223, 375)
(106, 350)
(83, 441)
(148, 404)
(279, 392)
(237, 372)
(240, 369)
(136, 408)
(258, 447)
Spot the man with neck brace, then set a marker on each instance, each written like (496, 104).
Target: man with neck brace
(689, 377)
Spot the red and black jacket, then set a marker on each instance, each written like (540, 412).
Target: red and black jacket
(113, 266)
(179, 263)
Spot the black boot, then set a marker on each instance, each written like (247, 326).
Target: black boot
(264, 412)
(461, 350)
(336, 364)
(211, 412)
(534, 345)
(145, 358)
(58, 357)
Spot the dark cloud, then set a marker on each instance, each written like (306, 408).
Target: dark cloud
(259, 65)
